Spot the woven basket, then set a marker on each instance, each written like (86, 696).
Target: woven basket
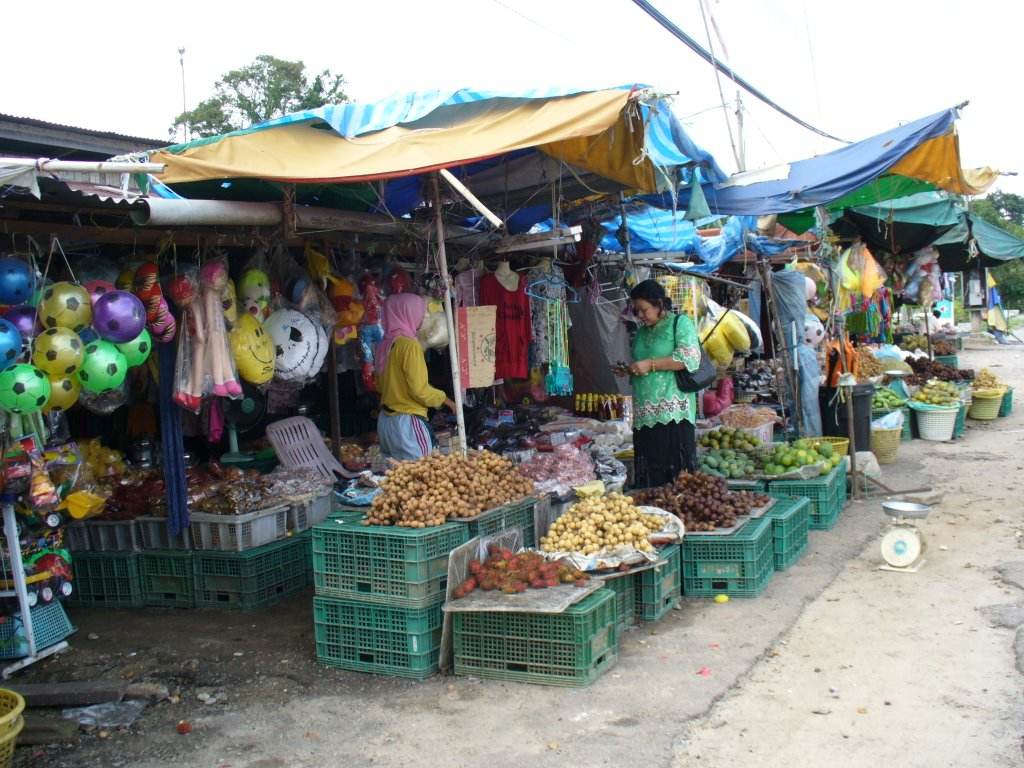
(936, 424)
(985, 407)
(885, 443)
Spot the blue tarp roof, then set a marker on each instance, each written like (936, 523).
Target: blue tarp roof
(818, 180)
(652, 230)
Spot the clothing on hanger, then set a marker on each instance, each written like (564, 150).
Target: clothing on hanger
(513, 327)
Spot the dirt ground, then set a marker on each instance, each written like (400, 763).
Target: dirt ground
(837, 663)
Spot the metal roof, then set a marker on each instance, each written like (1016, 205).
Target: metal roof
(30, 137)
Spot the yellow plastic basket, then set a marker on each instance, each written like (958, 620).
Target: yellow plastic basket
(840, 445)
(11, 707)
(8, 742)
(985, 407)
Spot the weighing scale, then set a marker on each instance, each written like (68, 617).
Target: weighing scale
(903, 545)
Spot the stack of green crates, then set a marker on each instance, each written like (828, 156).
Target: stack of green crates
(791, 519)
(516, 514)
(737, 564)
(658, 589)
(572, 648)
(251, 579)
(106, 580)
(167, 578)
(379, 592)
(827, 495)
(1006, 407)
(625, 588)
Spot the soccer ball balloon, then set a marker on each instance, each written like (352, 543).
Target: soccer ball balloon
(64, 391)
(104, 367)
(10, 344)
(137, 350)
(23, 389)
(119, 316)
(65, 305)
(58, 351)
(814, 331)
(16, 283)
(97, 288)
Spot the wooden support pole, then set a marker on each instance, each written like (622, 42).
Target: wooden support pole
(449, 316)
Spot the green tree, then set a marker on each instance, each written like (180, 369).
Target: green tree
(1005, 210)
(267, 88)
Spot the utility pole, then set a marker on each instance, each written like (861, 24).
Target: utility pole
(741, 149)
(184, 101)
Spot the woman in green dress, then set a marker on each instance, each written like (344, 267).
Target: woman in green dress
(664, 441)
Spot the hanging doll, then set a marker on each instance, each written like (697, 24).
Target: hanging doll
(371, 332)
(159, 320)
(190, 369)
(214, 279)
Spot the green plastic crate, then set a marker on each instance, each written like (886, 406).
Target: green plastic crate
(167, 578)
(50, 625)
(791, 520)
(658, 589)
(841, 483)
(380, 639)
(951, 360)
(572, 648)
(960, 425)
(738, 564)
(827, 495)
(517, 514)
(106, 580)
(625, 589)
(1006, 407)
(403, 567)
(757, 486)
(251, 579)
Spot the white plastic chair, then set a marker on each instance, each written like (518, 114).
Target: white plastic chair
(298, 443)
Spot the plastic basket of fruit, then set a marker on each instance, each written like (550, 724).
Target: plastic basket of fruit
(936, 423)
(986, 403)
(840, 445)
(239, 532)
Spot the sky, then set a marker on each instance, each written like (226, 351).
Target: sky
(850, 68)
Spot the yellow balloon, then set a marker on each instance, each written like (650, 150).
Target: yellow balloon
(229, 302)
(125, 280)
(63, 393)
(253, 350)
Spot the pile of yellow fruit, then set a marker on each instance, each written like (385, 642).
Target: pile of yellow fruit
(938, 393)
(596, 524)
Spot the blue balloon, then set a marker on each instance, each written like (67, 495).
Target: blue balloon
(10, 344)
(88, 335)
(16, 281)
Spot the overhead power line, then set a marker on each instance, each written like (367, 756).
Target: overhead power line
(725, 69)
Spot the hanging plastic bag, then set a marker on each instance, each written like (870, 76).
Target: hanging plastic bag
(190, 384)
(213, 279)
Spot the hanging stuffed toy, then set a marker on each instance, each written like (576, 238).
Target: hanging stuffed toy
(146, 286)
(214, 279)
(371, 332)
(190, 369)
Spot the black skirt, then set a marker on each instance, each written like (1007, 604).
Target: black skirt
(661, 452)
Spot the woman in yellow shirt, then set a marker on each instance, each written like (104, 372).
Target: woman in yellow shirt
(405, 392)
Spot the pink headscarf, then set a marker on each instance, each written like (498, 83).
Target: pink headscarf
(403, 315)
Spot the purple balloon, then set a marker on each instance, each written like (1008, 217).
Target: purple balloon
(118, 316)
(24, 319)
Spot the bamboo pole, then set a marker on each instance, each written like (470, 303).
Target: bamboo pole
(449, 316)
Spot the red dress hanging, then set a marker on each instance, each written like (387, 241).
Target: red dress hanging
(513, 329)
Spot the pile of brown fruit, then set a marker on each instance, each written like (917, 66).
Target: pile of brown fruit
(943, 347)
(511, 573)
(925, 369)
(703, 502)
(418, 494)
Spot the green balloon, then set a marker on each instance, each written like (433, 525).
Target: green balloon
(24, 389)
(104, 367)
(137, 350)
